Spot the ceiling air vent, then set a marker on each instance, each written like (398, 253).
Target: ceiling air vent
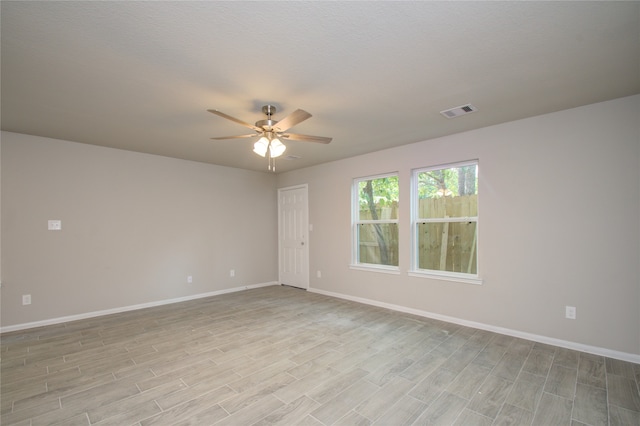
(458, 111)
(292, 157)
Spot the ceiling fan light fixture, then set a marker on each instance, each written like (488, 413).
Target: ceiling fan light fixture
(276, 148)
(261, 146)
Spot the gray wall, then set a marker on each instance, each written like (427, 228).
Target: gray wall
(133, 227)
(559, 225)
(559, 200)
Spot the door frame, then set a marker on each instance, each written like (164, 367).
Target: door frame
(306, 230)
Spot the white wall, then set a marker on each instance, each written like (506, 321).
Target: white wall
(133, 227)
(559, 200)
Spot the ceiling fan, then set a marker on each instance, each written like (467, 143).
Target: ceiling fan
(271, 131)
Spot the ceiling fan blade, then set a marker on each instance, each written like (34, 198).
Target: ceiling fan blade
(235, 137)
(291, 120)
(228, 117)
(306, 138)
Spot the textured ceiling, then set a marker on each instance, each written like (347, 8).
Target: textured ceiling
(141, 75)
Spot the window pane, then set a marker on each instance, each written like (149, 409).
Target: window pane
(449, 246)
(378, 243)
(450, 192)
(378, 198)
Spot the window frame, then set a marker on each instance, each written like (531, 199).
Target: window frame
(355, 222)
(415, 270)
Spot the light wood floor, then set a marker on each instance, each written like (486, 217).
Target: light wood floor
(278, 355)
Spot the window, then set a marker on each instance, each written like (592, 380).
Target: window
(445, 221)
(375, 222)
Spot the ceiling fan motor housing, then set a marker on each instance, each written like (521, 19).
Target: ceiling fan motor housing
(267, 124)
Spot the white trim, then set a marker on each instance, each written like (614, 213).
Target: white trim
(448, 165)
(624, 356)
(451, 276)
(370, 267)
(373, 222)
(460, 219)
(94, 314)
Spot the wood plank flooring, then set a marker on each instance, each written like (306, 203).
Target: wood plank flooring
(278, 355)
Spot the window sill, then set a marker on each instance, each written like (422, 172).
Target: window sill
(376, 268)
(447, 277)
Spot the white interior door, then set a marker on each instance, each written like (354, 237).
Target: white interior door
(293, 233)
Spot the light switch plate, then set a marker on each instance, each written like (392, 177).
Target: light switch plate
(55, 225)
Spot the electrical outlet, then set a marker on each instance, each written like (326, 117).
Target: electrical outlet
(189, 279)
(26, 299)
(319, 274)
(570, 312)
(232, 273)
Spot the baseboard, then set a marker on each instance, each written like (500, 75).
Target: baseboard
(500, 330)
(506, 331)
(94, 314)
